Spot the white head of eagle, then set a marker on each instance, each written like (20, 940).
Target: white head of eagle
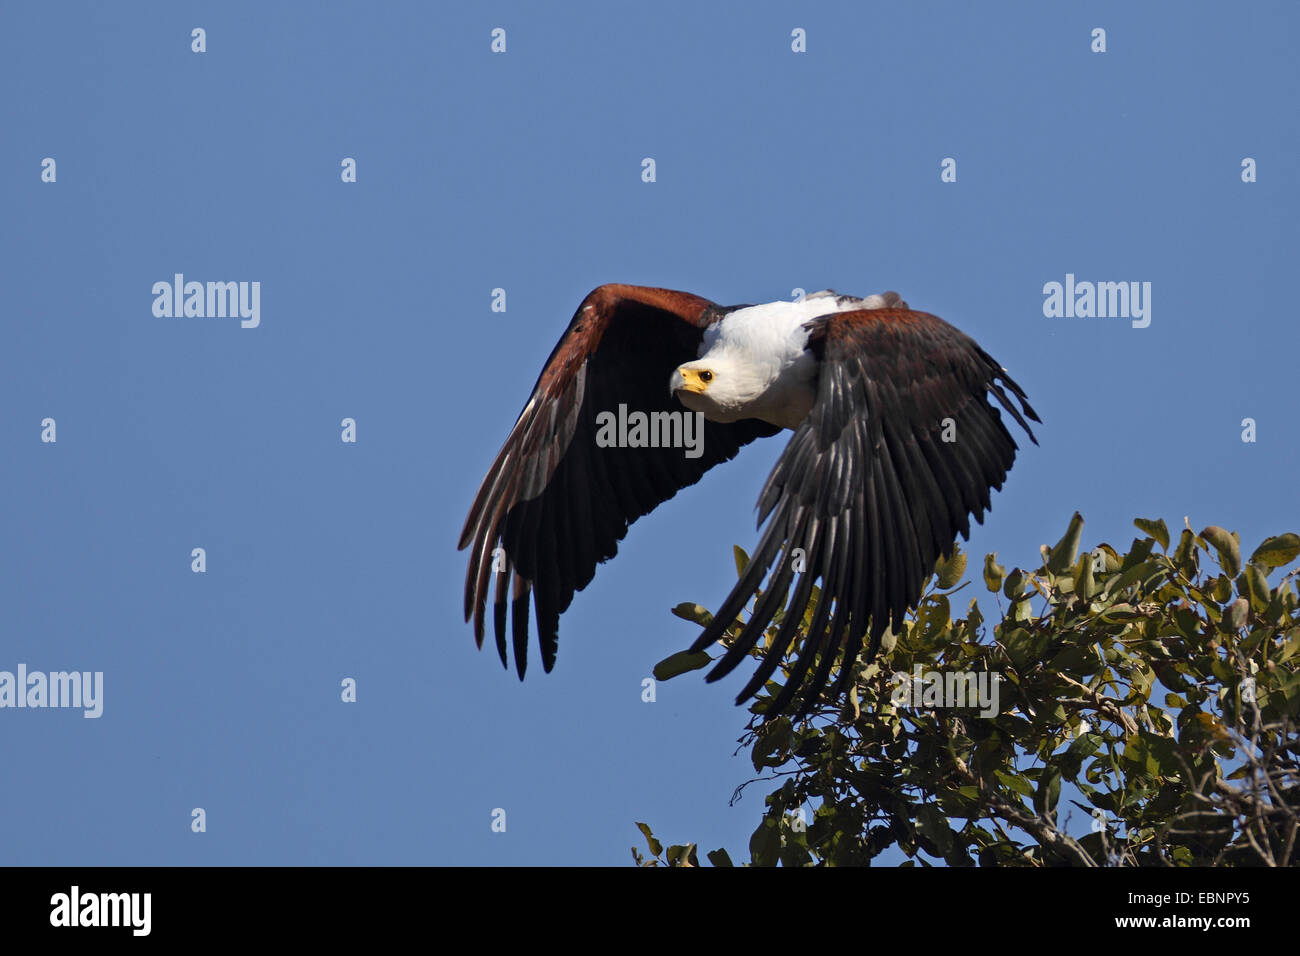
(895, 446)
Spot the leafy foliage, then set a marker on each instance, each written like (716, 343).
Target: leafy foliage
(1146, 715)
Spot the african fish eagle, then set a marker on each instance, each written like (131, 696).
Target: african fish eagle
(895, 446)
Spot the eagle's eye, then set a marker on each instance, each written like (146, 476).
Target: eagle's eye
(706, 376)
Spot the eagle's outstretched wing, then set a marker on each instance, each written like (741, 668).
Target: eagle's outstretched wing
(901, 446)
(555, 502)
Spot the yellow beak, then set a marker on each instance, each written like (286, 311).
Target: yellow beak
(688, 380)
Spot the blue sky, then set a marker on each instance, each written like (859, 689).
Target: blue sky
(522, 170)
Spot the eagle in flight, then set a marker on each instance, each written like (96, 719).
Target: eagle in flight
(895, 445)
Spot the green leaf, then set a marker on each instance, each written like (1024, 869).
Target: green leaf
(681, 663)
(1049, 791)
(1085, 745)
(719, 857)
(765, 844)
(1277, 551)
(682, 855)
(993, 572)
(1252, 584)
(688, 611)
(1015, 782)
(1137, 553)
(1015, 584)
(1235, 616)
(772, 747)
(655, 846)
(1067, 549)
(1110, 560)
(1142, 681)
(1018, 645)
(1161, 753)
(1078, 659)
(932, 825)
(933, 616)
(1084, 584)
(1138, 754)
(1134, 574)
(1227, 546)
(742, 560)
(1155, 529)
(951, 570)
